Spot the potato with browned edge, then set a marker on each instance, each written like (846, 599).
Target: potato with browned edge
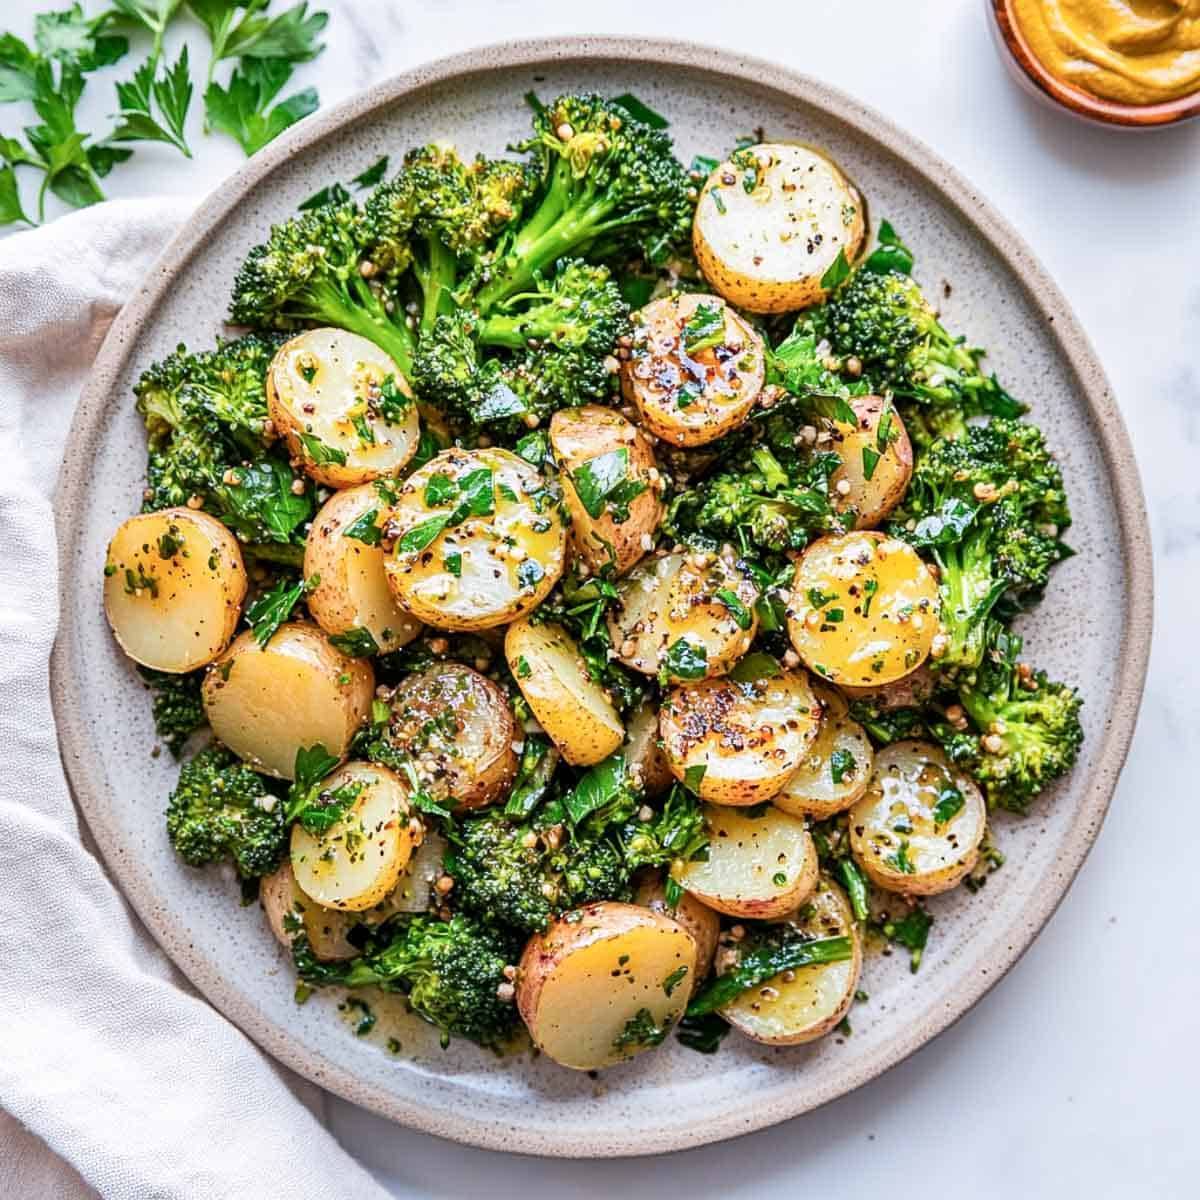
(877, 461)
(644, 758)
(698, 919)
(174, 582)
(695, 370)
(344, 555)
(808, 1002)
(919, 825)
(771, 220)
(267, 702)
(743, 738)
(458, 729)
(604, 983)
(610, 484)
(759, 865)
(568, 704)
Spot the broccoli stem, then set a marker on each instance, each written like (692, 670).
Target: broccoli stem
(969, 592)
(355, 307)
(284, 553)
(437, 279)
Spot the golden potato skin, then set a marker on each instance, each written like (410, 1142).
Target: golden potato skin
(785, 1011)
(569, 705)
(877, 462)
(458, 727)
(676, 597)
(749, 737)
(352, 590)
(690, 399)
(593, 972)
(487, 569)
(767, 248)
(894, 832)
(644, 758)
(759, 865)
(580, 435)
(323, 381)
(863, 609)
(174, 582)
(267, 702)
(289, 911)
(817, 789)
(698, 919)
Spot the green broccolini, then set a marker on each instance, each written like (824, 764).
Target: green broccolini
(452, 972)
(177, 709)
(220, 809)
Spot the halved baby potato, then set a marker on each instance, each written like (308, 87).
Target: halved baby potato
(695, 370)
(343, 552)
(771, 221)
(748, 738)
(174, 582)
(877, 461)
(605, 460)
(569, 705)
(267, 702)
(604, 983)
(345, 409)
(355, 863)
(688, 615)
(909, 691)
(698, 919)
(863, 609)
(458, 728)
(478, 540)
(759, 865)
(806, 1003)
(836, 768)
(918, 828)
(644, 758)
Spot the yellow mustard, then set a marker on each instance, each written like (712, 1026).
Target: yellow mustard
(1130, 51)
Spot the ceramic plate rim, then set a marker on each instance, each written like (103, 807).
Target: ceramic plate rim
(1071, 343)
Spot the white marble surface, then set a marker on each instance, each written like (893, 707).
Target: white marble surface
(1072, 1076)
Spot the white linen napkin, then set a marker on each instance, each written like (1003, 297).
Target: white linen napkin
(106, 1054)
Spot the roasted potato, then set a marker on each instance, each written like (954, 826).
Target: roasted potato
(174, 582)
(604, 983)
(698, 919)
(267, 702)
(343, 553)
(806, 1003)
(458, 728)
(918, 827)
(478, 540)
(771, 221)
(863, 609)
(608, 472)
(355, 863)
(909, 691)
(749, 738)
(688, 615)
(759, 865)
(345, 409)
(290, 912)
(568, 704)
(836, 767)
(877, 461)
(695, 370)
(644, 758)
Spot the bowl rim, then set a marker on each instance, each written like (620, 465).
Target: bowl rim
(1020, 55)
(479, 1128)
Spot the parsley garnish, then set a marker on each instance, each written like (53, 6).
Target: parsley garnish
(737, 610)
(841, 764)
(704, 329)
(949, 804)
(686, 660)
(364, 529)
(273, 608)
(357, 642)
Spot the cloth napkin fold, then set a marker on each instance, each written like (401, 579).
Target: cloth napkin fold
(106, 1054)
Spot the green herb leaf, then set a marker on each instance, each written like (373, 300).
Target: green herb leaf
(273, 608)
(595, 480)
(686, 660)
(703, 164)
(841, 764)
(704, 329)
(675, 978)
(312, 766)
(372, 175)
(18, 70)
(891, 255)
(335, 193)
(154, 107)
(900, 860)
(365, 528)
(702, 1034)
(949, 804)
(319, 454)
(420, 536)
(755, 666)
(453, 562)
(911, 932)
(357, 642)
(242, 110)
(856, 888)
(641, 112)
(440, 489)
(837, 272)
(737, 610)
(693, 777)
(870, 460)
(536, 769)
(597, 788)
(10, 199)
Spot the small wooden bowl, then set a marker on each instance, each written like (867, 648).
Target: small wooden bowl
(1035, 78)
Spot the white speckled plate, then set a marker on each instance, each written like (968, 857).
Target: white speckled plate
(672, 1098)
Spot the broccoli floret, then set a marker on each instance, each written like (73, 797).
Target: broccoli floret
(882, 319)
(990, 508)
(521, 875)
(220, 809)
(1024, 729)
(612, 186)
(558, 340)
(313, 270)
(453, 973)
(676, 831)
(205, 415)
(178, 710)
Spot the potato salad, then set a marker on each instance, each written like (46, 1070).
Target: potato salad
(579, 588)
